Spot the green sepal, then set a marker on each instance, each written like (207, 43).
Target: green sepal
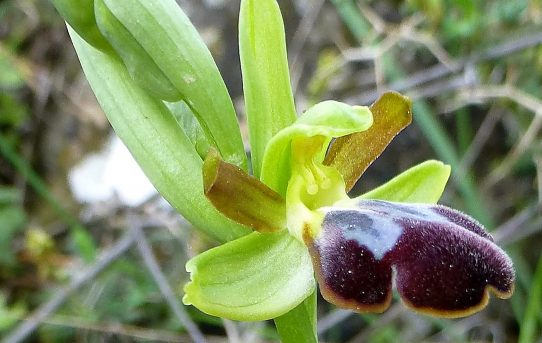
(79, 14)
(269, 101)
(138, 62)
(327, 119)
(155, 139)
(256, 277)
(164, 32)
(423, 183)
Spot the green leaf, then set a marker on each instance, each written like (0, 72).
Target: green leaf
(80, 15)
(164, 32)
(256, 277)
(155, 139)
(327, 119)
(299, 324)
(423, 183)
(134, 56)
(191, 126)
(266, 80)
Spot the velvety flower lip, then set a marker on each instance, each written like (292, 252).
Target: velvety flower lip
(444, 262)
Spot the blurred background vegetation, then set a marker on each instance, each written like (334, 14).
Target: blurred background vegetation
(474, 69)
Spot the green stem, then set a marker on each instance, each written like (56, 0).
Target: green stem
(299, 325)
(528, 325)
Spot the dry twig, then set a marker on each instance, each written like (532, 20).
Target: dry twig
(27, 327)
(129, 331)
(152, 265)
(440, 71)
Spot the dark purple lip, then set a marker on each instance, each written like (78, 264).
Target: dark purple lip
(444, 261)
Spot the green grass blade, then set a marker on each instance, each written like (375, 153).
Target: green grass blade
(464, 129)
(349, 13)
(441, 142)
(528, 325)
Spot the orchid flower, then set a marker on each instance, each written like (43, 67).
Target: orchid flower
(164, 96)
(443, 262)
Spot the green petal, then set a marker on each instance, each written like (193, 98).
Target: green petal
(327, 119)
(423, 183)
(256, 277)
(266, 80)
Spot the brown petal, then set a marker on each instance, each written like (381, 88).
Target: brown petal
(445, 262)
(353, 154)
(242, 197)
